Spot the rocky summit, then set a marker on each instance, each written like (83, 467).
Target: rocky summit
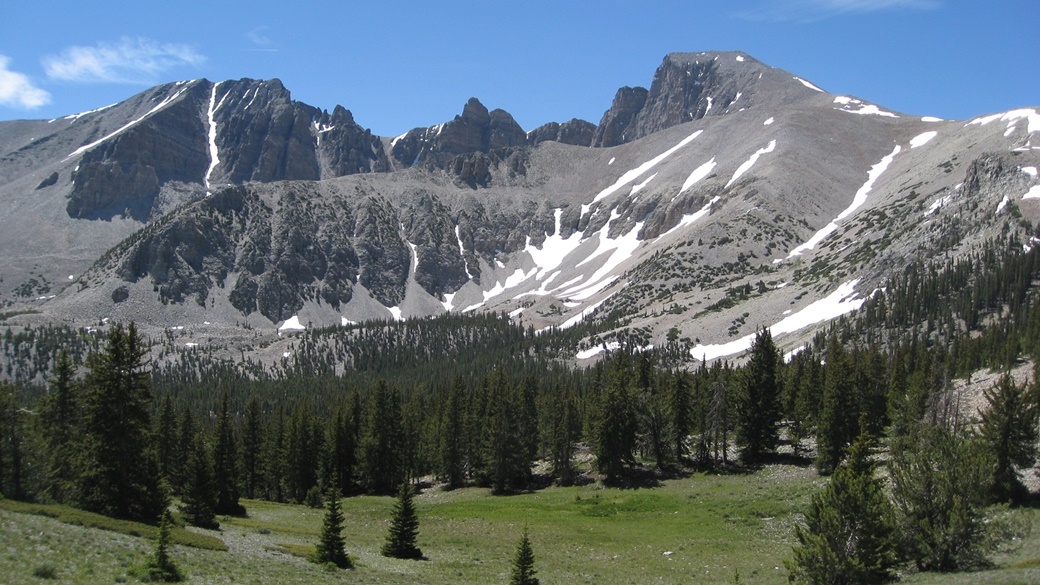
(726, 197)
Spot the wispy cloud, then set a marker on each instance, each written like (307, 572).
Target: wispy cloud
(813, 10)
(262, 42)
(131, 60)
(17, 90)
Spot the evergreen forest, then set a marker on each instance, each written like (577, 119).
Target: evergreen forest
(916, 471)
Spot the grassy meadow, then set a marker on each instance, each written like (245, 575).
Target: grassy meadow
(702, 529)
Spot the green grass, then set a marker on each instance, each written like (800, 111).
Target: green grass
(77, 517)
(711, 527)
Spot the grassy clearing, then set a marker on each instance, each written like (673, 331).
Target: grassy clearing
(702, 529)
(77, 517)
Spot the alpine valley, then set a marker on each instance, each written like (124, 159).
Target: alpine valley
(727, 197)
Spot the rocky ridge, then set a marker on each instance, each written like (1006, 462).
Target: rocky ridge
(728, 196)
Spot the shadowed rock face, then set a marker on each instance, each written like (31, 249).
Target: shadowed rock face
(126, 171)
(575, 132)
(252, 206)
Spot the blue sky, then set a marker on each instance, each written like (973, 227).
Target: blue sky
(402, 64)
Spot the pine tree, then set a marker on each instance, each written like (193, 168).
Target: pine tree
(59, 415)
(523, 563)
(161, 568)
(225, 465)
(848, 536)
(1009, 430)
(383, 452)
(253, 449)
(616, 424)
(452, 450)
(404, 527)
(680, 408)
(939, 491)
(331, 543)
(759, 412)
(839, 416)
(199, 498)
(165, 439)
(119, 476)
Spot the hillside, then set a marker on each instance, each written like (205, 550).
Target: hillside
(728, 196)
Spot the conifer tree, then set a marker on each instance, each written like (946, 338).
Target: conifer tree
(404, 527)
(59, 415)
(161, 568)
(681, 404)
(225, 464)
(1009, 430)
(331, 543)
(12, 452)
(185, 448)
(252, 450)
(759, 411)
(384, 438)
(199, 498)
(565, 431)
(839, 416)
(523, 563)
(452, 449)
(616, 426)
(848, 536)
(939, 492)
(119, 476)
(165, 439)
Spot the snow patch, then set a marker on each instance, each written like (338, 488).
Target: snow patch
(1032, 193)
(1003, 203)
(292, 324)
(637, 172)
(857, 201)
(1031, 171)
(214, 155)
(699, 173)
(922, 139)
(838, 303)
(1028, 114)
(594, 351)
(746, 166)
(128, 125)
(809, 85)
(768, 121)
(931, 119)
(639, 187)
(692, 217)
(938, 203)
(740, 59)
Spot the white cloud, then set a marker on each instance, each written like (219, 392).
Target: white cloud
(813, 10)
(258, 36)
(131, 60)
(17, 90)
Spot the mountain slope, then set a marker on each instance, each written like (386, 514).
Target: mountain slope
(727, 197)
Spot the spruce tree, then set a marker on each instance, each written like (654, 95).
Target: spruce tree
(839, 416)
(59, 416)
(165, 440)
(452, 448)
(383, 446)
(331, 543)
(940, 488)
(404, 527)
(161, 568)
(199, 498)
(681, 411)
(1009, 430)
(848, 536)
(616, 424)
(253, 450)
(119, 476)
(759, 411)
(225, 465)
(523, 563)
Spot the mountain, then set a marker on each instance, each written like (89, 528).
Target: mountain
(728, 196)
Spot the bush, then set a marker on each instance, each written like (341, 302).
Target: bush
(45, 572)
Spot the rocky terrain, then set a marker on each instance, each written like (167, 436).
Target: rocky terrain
(728, 196)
